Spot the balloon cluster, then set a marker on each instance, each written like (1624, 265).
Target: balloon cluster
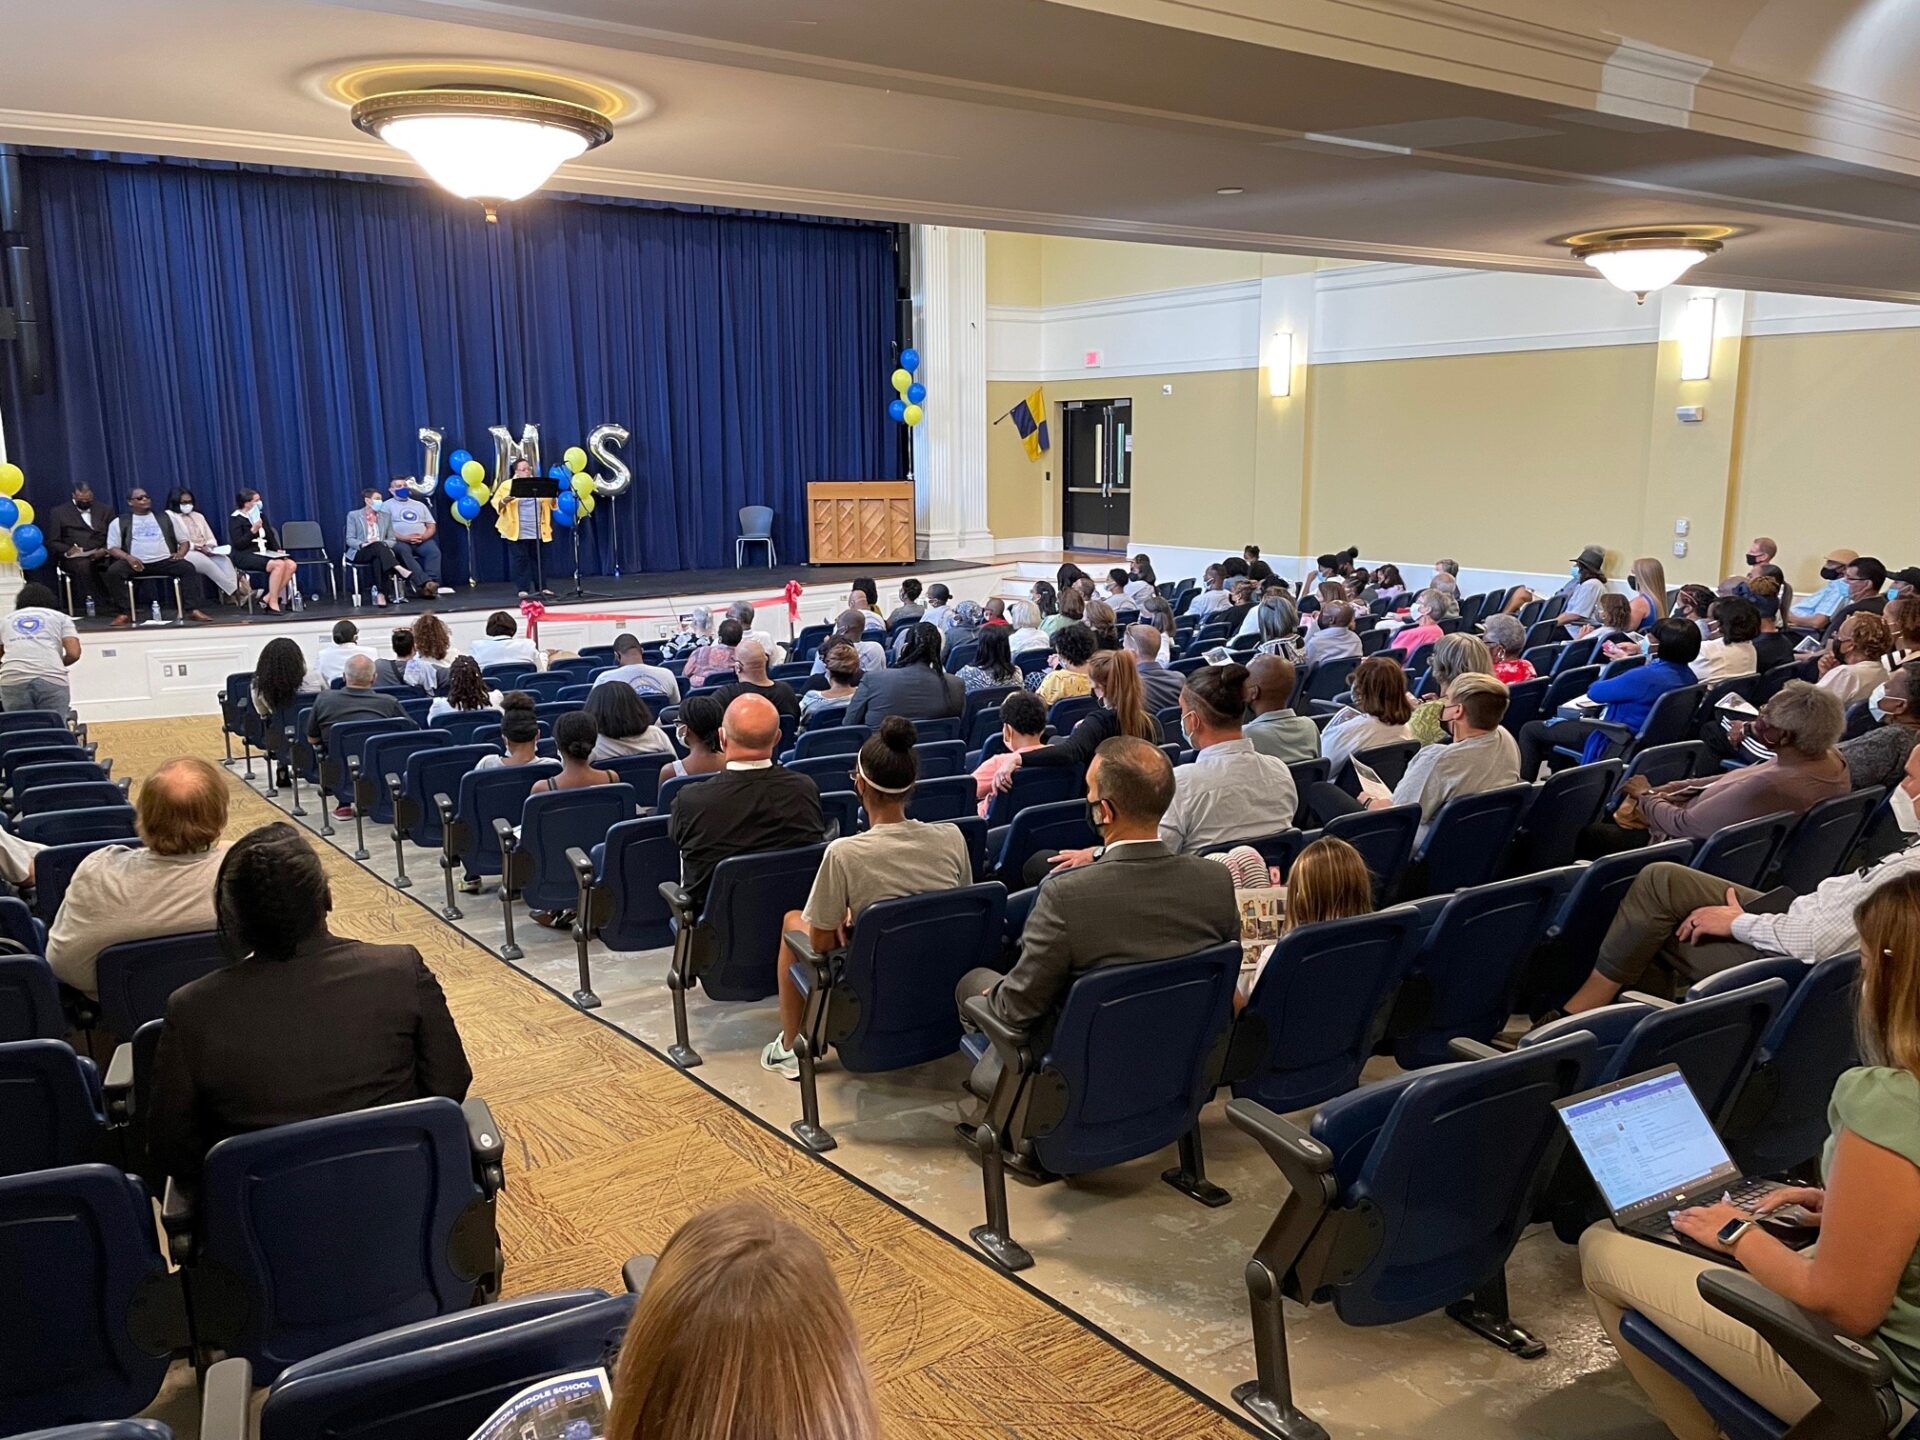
(910, 395)
(576, 495)
(22, 541)
(467, 486)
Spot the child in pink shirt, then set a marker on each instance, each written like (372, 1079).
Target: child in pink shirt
(1023, 723)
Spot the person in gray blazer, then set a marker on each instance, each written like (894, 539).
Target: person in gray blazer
(370, 543)
(918, 687)
(1135, 901)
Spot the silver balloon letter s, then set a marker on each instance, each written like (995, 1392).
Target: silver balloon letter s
(600, 442)
(429, 478)
(507, 452)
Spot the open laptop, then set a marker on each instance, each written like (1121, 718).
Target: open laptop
(1651, 1150)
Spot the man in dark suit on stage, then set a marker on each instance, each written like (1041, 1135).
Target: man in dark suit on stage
(77, 539)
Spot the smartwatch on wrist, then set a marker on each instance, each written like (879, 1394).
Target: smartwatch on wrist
(1730, 1233)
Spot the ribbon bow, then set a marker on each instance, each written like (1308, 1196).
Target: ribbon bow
(793, 593)
(532, 611)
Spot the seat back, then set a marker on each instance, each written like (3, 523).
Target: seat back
(1680, 760)
(14, 721)
(70, 795)
(638, 859)
(1743, 853)
(41, 747)
(437, 771)
(551, 824)
(1714, 1040)
(1034, 785)
(1037, 829)
(489, 795)
(325, 1231)
(386, 754)
(749, 897)
(939, 759)
(1451, 1175)
(462, 724)
(1384, 839)
(828, 772)
(1319, 1006)
(1134, 1056)
(1469, 837)
(1389, 761)
(53, 870)
(834, 740)
(988, 697)
(893, 1005)
(1564, 804)
(1573, 939)
(1565, 686)
(1325, 680)
(641, 772)
(81, 1259)
(66, 827)
(1523, 702)
(1473, 960)
(756, 522)
(1611, 1026)
(50, 1113)
(1063, 715)
(1825, 836)
(446, 1376)
(29, 1000)
(138, 977)
(950, 797)
(302, 535)
(55, 772)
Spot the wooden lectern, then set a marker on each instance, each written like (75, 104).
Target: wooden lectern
(860, 522)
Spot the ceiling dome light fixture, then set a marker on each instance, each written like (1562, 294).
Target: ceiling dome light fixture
(1642, 261)
(485, 145)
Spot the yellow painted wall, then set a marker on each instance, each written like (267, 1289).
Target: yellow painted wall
(1074, 270)
(1013, 269)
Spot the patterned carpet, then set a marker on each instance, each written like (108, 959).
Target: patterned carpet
(610, 1149)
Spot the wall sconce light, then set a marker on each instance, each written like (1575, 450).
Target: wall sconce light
(1696, 338)
(1280, 364)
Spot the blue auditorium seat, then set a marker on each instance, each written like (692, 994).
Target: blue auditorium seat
(1668, 721)
(939, 759)
(68, 795)
(1034, 785)
(534, 863)
(617, 896)
(1468, 838)
(15, 721)
(1823, 839)
(1133, 1057)
(1063, 715)
(1743, 853)
(416, 816)
(340, 751)
(1561, 806)
(466, 827)
(137, 977)
(840, 812)
(1036, 829)
(461, 724)
(51, 1111)
(41, 747)
(1571, 941)
(672, 786)
(828, 772)
(68, 827)
(1384, 839)
(56, 772)
(1407, 1197)
(834, 740)
(642, 772)
(383, 763)
(53, 870)
(947, 797)
(731, 945)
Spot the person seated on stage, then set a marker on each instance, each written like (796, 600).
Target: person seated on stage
(1275, 728)
(1626, 699)
(1863, 1278)
(525, 522)
(38, 643)
(1023, 727)
(892, 857)
(302, 1023)
(1332, 636)
(190, 524)
(753, 805)
(842, 662)
(519, 733)
(370, 544)
(699, 735)
(1134, 901)
(743, 611)
(331, 659)
(918, 687)
(864, 596)
(718, 658)
(77, 539)
(630, 668)
(850, 628)
(909, 607)
(992, 666)
(1066, 672)
(1799, 728)
(411, 517)
(249, 536)
(427, 664)
(467, 691)
(392, 670)
(356, 700)
(698, 632)
(166, 888)
(750, 666)
(1677, 925)
(625, 724)
(1879, 757)
(1850, 668)
(713, 1348)
(503, 644)
(144, 543)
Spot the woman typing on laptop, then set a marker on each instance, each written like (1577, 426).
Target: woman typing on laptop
(1863, 1277)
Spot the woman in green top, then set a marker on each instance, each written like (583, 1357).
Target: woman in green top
(1864, 1275)
(1453, 656)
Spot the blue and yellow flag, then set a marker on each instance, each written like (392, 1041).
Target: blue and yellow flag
(1030, 419)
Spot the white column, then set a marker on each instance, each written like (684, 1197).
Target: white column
(11, 578)
(950, 444)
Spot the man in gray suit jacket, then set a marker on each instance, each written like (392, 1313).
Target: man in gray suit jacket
(1137, 900)
(370, 543)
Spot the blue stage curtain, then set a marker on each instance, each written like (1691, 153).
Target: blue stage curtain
(226, 326)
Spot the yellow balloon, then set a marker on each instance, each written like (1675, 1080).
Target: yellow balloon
(8, 554)
(583, 485)
(26, 512)
(480, 492)
(473, 472)
(901, 380)
(586, 504)
(914, 415)
(576, 459)
(11, 479)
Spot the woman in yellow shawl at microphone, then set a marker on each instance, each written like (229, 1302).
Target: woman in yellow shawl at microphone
(519, 520)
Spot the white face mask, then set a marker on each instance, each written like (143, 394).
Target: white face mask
(1901, 803)
(1873, 702)
(255, 510)
(186, 508)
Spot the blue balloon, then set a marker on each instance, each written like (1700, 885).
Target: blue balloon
(897, 411)
(916, 393)
(562, 516)
(34, 559)
(467, 507)
(27, 537)
(568, 500)
(459, 459)
(558, 472)
(455, 486)
(9, 512)
(910, 360)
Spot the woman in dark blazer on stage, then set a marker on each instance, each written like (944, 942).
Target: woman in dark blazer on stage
(249, 533)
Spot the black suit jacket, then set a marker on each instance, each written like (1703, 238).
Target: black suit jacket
(66, 530)
(340, 1026)
(741, 812)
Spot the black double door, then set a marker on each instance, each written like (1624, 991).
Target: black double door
(1098, 461)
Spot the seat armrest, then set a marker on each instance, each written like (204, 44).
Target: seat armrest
(801, 943)
(1640, 997)
(503, 832)
(678, 901)
(637, 1272)
(582, 866)
(179, 1213)
(118, 1086)
(1010, 1041)
(444, 804)
(1461, 1048)
(226, 1401)
(486, 1144)
(1852, 1381)
(1300, 1158)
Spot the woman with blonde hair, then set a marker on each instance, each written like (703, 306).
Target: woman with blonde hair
(741, 1334)
(1104, 621)
(1864, 1276)
(1649, 604)
(1329, 881)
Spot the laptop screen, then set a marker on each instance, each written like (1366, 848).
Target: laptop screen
(1644, 1138)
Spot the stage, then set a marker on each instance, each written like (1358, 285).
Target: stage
(135, 672)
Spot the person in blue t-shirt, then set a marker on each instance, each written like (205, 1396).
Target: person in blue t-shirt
(1627, 699)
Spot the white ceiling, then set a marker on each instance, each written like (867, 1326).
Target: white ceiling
(1506, 124)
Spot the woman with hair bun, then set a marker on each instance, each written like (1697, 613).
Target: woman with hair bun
(519, 732)
(894, 856)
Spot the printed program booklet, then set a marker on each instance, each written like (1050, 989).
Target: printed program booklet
(567, 1407)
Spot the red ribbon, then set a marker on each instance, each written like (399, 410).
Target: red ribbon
(793, 593)
(531, 611)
